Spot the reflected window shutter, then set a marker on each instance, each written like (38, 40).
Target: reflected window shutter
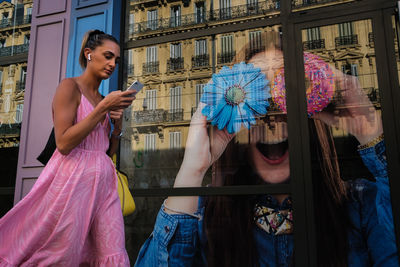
(179, 96)
(175, 140)
(151, 97)
(199, 92)
(354, 70)
(172, 99)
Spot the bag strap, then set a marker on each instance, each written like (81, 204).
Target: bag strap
(123, 190)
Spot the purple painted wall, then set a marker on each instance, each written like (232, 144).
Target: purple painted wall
(46, 68)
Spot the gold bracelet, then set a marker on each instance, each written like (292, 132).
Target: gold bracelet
(371, 143)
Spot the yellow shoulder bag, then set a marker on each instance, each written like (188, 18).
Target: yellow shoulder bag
(127, 202)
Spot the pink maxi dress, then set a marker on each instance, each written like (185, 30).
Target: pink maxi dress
(72, 216)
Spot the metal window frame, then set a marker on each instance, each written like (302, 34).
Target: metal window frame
(380, 13)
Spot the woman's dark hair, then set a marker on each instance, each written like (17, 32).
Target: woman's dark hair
(93, 39)
(228, 220)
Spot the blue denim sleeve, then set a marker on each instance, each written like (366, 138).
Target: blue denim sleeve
(375, 160)
(377, 218)
(173, 242)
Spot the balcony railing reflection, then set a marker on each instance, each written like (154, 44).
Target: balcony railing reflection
(149, 116)
(200, 61)
(224, 58)
(225, 13)
(314, 44)
(200, 18)
(151, 67)
(10, 129)
(12, 50)
(174, 64)
(20, 86)
(346, 40)
(4, 23)
(340, 96)
(152, 24)
(307, 3)
(175, 21)
(20, 20)
(23, 20)
(252, 9)
(234, 12)
(157, 116)
(250, 52)
(175, 115)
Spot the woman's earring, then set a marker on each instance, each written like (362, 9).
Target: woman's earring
(88, 57)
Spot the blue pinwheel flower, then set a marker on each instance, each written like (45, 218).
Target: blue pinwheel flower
(236, 96)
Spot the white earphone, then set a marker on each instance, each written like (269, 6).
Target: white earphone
(88, 57)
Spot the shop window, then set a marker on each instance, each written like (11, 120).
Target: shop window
(178, 93)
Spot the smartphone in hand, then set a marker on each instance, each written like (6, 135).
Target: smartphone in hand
(136, 85)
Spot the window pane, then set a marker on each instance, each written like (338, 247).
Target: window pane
(346, 144)
(175, 75)
(249, 217)
(173, 16)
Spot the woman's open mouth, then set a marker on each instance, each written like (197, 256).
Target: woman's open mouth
(274, 153)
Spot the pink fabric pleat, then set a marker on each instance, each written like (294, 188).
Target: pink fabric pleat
(72, 216)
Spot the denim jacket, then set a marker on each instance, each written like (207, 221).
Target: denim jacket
(178, 240)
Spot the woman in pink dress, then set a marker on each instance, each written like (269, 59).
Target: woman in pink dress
(72, 215)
